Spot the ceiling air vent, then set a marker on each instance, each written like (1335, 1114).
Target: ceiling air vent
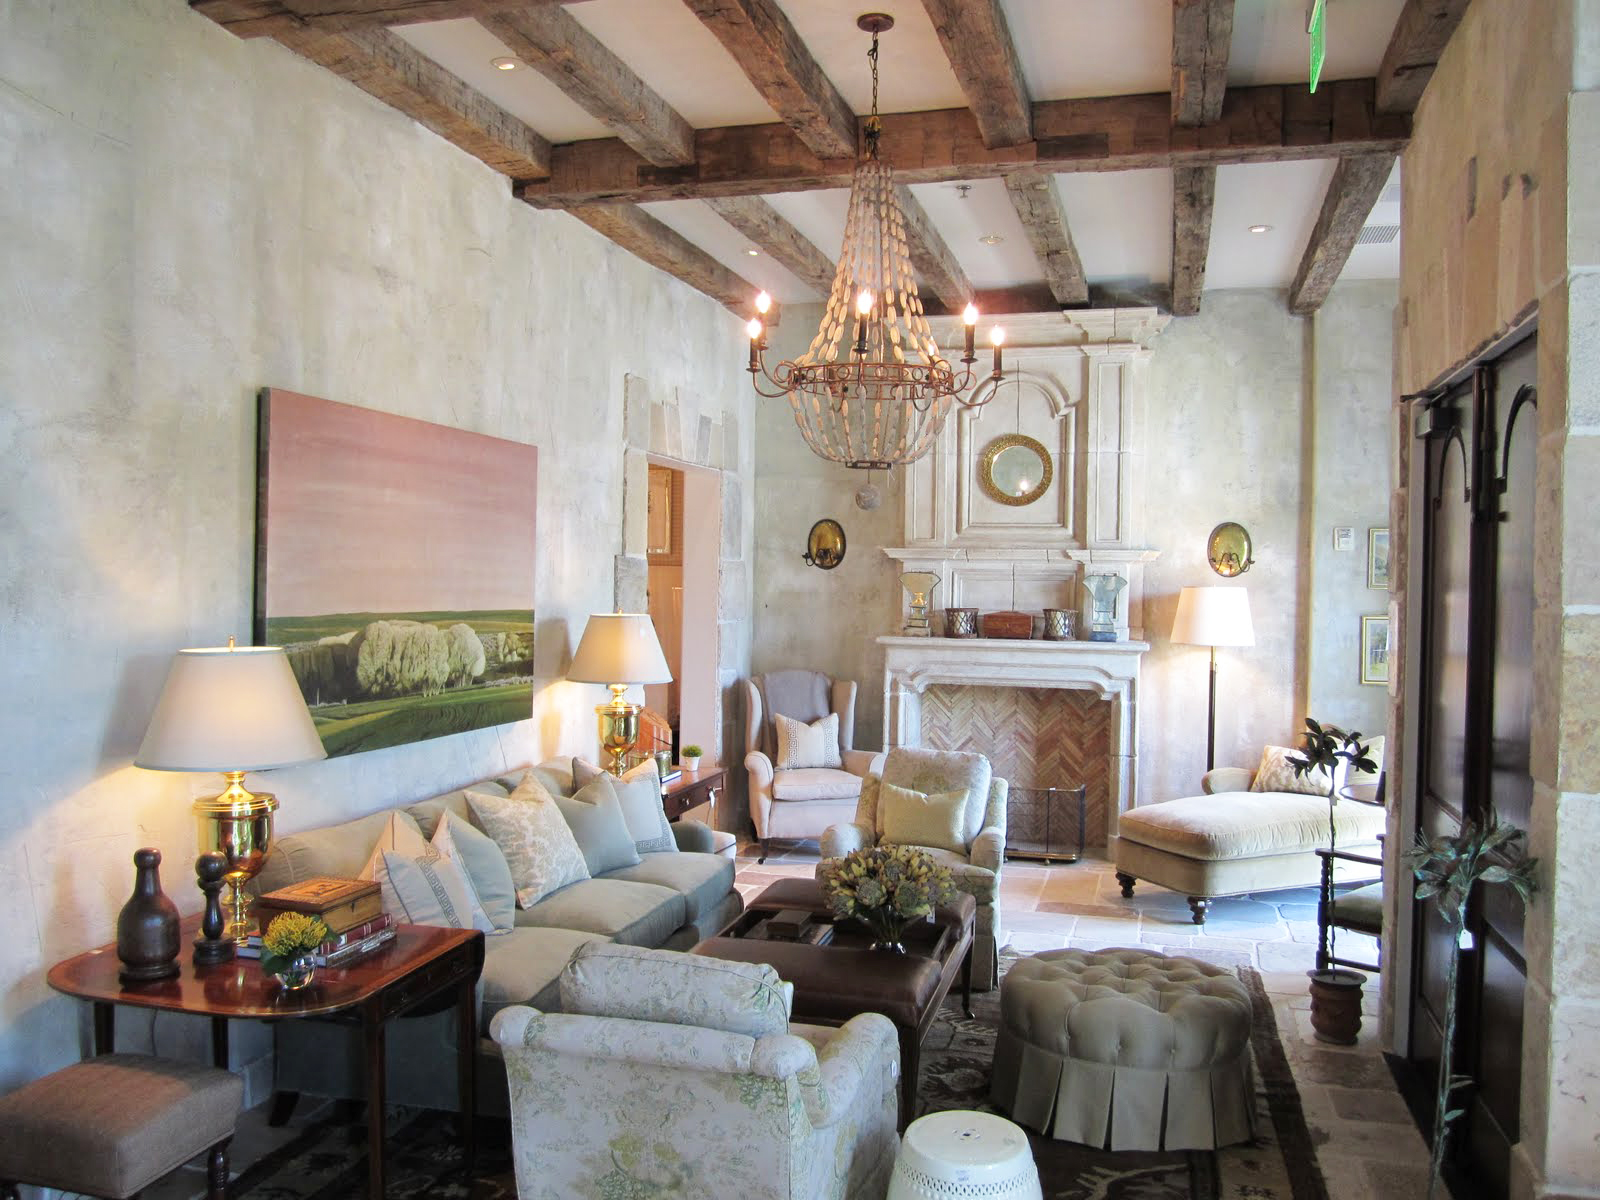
(1377, 235)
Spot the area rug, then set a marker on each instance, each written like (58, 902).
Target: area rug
(327, 1161)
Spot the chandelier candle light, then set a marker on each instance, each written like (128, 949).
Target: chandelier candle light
(878, 399)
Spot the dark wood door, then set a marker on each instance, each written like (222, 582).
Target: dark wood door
(1476, 666)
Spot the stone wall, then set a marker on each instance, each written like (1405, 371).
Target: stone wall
(188, 217)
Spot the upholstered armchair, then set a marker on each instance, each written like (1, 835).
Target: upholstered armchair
(670, 1074)
(981, 834)
(800, 802)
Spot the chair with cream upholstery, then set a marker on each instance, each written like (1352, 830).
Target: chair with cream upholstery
(800, 802)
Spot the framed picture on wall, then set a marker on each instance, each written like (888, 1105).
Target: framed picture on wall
(1378, 559)
(1375, 650)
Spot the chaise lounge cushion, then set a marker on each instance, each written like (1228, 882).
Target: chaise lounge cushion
(635, 914)
(1247, 825)
(703, 880)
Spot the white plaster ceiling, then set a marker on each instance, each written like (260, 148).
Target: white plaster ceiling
(1120, 221)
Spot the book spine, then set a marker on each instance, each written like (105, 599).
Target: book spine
(333, 944)
(339, 957)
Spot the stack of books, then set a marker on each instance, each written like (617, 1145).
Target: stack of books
(352, 909)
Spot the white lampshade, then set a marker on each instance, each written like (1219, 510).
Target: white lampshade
(1213, 616)
(619, 648)
(230, 709)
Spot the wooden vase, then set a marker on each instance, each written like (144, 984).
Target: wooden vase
(147, 926)
(1336, 1005)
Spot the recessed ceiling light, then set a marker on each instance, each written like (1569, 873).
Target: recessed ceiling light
(752, 252)
(991, 239)
(1261, 229)
(504, 64)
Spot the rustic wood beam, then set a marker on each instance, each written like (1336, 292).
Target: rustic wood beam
(1260, 124)
(931, 257)
(638, 232)
(1038, 204)
(1357, 182)
(1194, 190)
(382, 65)
(1202, 35)
(553, 43)
(1418, 40)
(786, 245)
(978, 44)
(770, 52)
(268, 18)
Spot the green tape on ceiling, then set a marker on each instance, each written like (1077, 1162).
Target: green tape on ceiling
(1317, 27)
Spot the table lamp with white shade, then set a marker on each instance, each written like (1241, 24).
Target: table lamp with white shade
(619, 650)
(1213, 616)
(232, 709)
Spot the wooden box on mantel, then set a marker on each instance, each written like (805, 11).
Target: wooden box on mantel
(1007, 625)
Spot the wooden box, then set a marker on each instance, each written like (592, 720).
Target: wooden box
(1007, 625)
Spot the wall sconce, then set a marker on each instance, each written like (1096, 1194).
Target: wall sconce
(825, 545)
(1228, 550)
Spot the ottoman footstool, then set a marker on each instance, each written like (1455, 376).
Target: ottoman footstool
(1126, 1050)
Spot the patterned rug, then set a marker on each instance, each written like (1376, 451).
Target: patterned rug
(327, 1161)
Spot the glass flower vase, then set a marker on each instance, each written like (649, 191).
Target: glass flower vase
(302, 969)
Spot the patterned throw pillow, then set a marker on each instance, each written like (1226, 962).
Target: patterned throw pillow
(433, 890)
(1276, 775)
(639, 793)
(402, 836)
(908, 818)
(533, 835)
(801, 745)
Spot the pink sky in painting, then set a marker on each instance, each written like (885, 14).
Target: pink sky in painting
(369, 512)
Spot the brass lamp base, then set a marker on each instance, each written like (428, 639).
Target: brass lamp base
(619, 728)
(237, 824)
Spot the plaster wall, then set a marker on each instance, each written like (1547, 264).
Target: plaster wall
(188, 217)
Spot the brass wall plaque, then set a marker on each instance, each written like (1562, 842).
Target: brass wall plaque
(1228, 549)
(825, 545)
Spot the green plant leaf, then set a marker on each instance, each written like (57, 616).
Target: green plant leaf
(1494, 873)
(1428, 889)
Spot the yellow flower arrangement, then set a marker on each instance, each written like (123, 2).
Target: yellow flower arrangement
(289, 935)
(886, 888)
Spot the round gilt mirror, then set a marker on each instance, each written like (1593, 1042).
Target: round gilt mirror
(825, 544)
(1228, 550)
(1015, 469)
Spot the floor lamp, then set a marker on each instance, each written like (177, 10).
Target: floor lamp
(1213, 616)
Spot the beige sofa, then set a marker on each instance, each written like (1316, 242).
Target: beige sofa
(670, 900)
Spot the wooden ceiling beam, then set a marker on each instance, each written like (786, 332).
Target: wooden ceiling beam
(1194, 191)
(382, 65)
(1038, 204)
(931, 257)
(1357, 182)
(553, 43)
(1419, 38)
(1259, 124)
(1202, 36)
(777, 238)
(764, 43)
(978, 44)
(641, 234)
(269, 18)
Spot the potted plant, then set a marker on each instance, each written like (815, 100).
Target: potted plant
(1335, 991)
(886, 888)
(288, 948)
(690, 757)
(1447, 869)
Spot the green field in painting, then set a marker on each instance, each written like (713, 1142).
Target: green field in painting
(286, 631)
(373, 724)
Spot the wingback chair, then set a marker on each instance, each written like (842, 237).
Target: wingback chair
(674, 1075)
(800, 802)
(976, 866)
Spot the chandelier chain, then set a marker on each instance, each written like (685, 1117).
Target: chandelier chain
(874, 126)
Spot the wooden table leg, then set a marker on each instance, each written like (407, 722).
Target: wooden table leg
(219, 1042)
(966, 980)
(373, 1029)
(467, 1069)
(105, 1027)
(910, 1068)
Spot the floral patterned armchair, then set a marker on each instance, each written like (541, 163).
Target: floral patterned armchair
(976, 866)
(675, 1076)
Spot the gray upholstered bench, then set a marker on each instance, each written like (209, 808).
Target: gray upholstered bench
(1125, 1049)
(113, 1125)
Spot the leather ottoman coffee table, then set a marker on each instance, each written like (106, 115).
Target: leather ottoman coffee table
(835, 981)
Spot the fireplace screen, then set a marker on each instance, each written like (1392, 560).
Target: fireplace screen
(1047, 823)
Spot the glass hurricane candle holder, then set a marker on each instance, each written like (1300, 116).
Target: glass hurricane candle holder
(919, 586)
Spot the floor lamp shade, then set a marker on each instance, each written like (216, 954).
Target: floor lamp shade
(1213, 616)
(619, 649)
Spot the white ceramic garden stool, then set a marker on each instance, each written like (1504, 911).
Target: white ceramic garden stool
(947, 1155)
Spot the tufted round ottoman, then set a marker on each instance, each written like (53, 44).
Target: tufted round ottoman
(1125, 1049)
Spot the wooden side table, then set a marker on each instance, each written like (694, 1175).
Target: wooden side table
(692, 789)
(421, 962)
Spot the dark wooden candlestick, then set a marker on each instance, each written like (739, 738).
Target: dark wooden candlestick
(211, 947)
(147, 926)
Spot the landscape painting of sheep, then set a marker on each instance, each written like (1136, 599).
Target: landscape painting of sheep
(395, 565)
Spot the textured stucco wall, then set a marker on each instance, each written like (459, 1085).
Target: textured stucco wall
(187, 217)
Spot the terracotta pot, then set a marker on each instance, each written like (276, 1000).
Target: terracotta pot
(1336, 1005)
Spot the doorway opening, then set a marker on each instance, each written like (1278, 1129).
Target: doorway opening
(683, 541)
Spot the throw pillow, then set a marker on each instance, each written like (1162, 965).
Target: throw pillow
(433, 890)
(1276, 775)
(639, 793)
(801, 745)
(534, 837)
(402, 836)
(494, 898)
(908, 818)
(595, 817)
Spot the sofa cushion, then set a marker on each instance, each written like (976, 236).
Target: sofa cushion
(942, 771)
(802, 745)
(639, 793)
(703, 880)
(534, 836)
(604, 980)
(908, 818)
(485, 868)
(524, 966)
(339, 850)
(426, 813)
(1276, 774)
(400, 835)
(637, 914)
(433, 890)
(1247, 825)
(594, 815)
(815, 783)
